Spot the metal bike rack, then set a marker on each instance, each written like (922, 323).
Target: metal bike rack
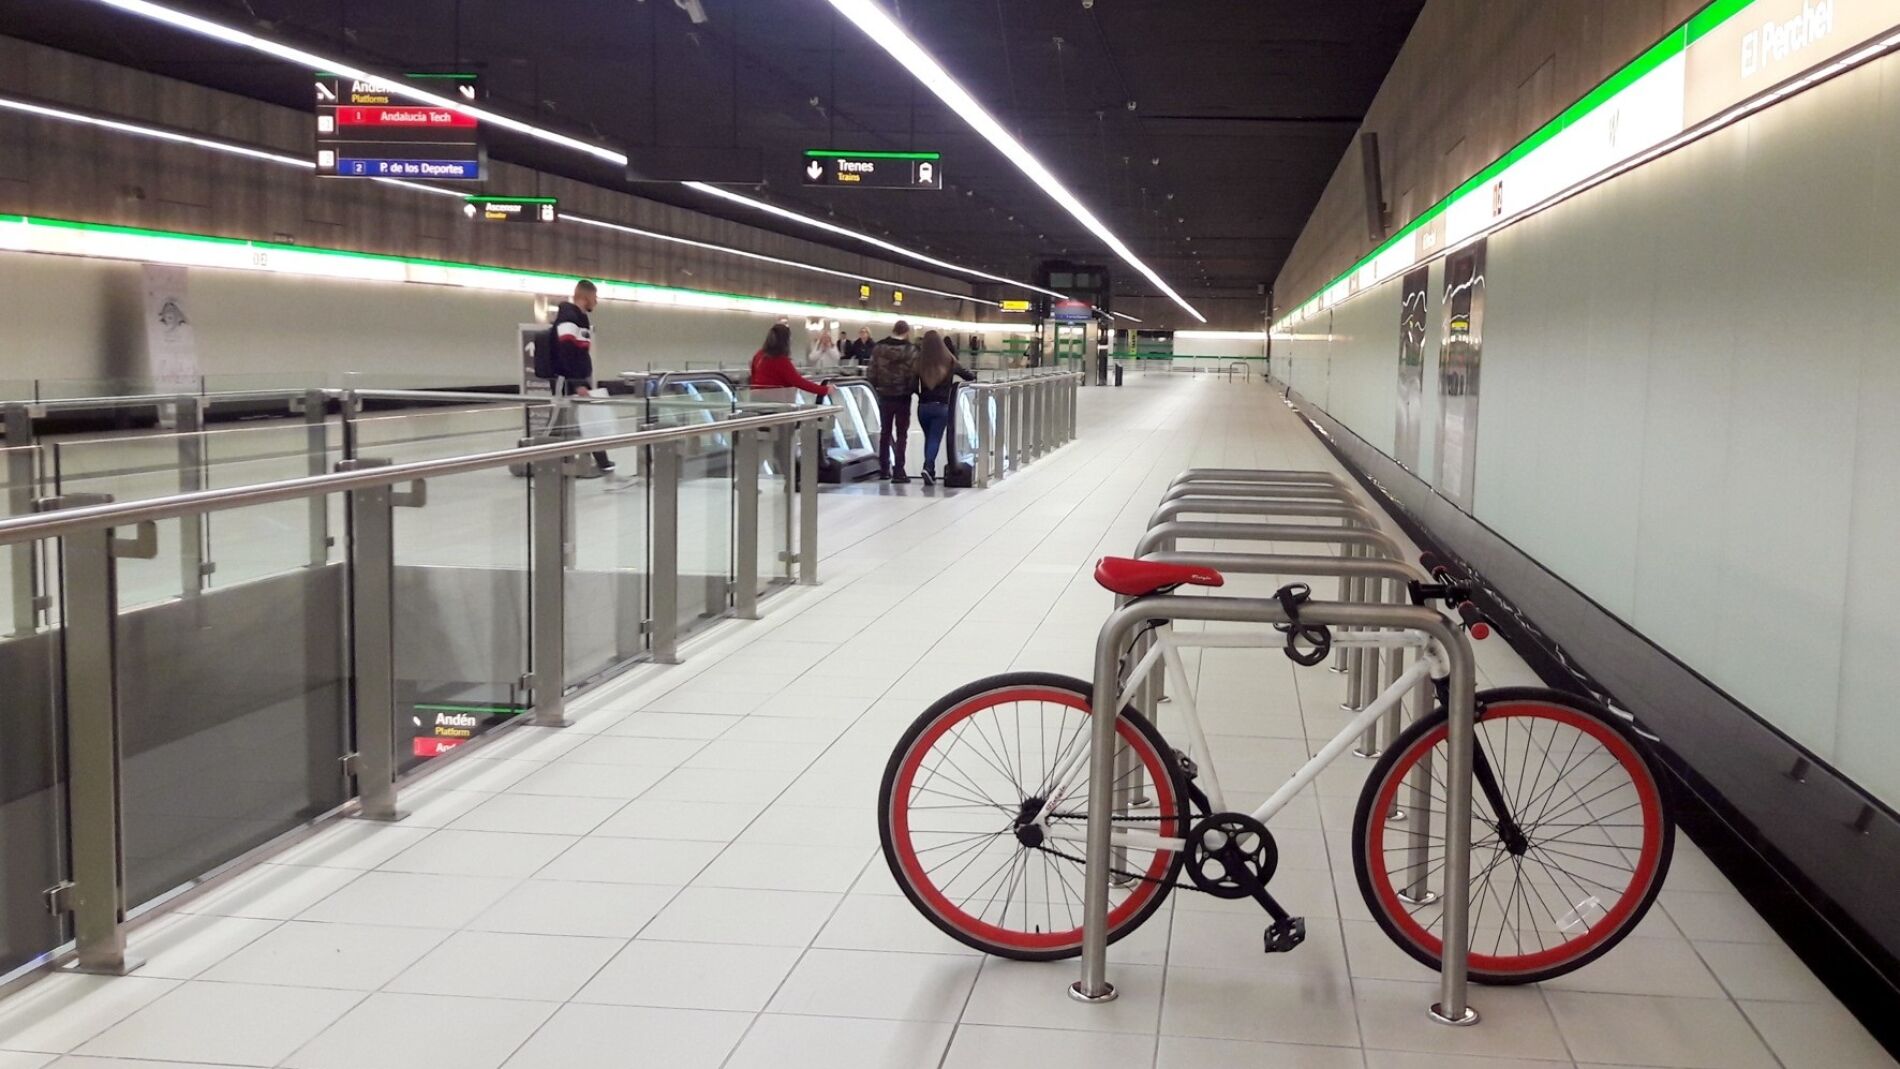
(1361, 666)
(1093, 985)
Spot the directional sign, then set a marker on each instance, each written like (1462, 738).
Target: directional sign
(367, 129)
(1015, 306)
(873, 170)
(511, 209)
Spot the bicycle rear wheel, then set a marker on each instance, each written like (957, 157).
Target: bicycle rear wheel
(959, 806)
(1573, 867)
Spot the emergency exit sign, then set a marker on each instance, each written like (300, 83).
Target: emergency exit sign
(873, 170)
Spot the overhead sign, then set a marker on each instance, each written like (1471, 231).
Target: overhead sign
(1071, 311)
(897, 298)
(874, 170)
(511, 209)
(1015, 306)
(365, 129)
(864, 292)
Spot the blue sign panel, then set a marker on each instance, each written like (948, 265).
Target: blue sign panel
(469, 169)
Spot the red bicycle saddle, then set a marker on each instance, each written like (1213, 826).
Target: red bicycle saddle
(1135, 578)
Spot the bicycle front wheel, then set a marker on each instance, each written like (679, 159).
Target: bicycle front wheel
(1557, 878)
(983, 816)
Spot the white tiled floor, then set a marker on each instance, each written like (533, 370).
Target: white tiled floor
(689, 876)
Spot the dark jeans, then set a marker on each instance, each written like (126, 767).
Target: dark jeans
(893, 432)
(934, 416)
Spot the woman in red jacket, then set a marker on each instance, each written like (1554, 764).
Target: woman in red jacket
(772, 366)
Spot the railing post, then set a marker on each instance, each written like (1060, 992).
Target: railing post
(808, 504)
(89, 640)
(22, 488)
(189, 422)
(999, 446)
(980, 438)
(372, 557)
(783, 444)
(664, 523)
(317, 455)
(745, 459)
(547, 640)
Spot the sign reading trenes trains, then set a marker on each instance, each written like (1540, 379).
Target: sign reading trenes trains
(366, 129)
(874, 170)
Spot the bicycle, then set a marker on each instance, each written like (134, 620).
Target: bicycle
(982, 810)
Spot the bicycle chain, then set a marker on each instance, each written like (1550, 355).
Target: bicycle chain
(1143, 877)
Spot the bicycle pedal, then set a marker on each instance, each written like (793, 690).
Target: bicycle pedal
(1283, 936)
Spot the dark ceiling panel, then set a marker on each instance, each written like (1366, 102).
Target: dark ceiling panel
(1241, 108)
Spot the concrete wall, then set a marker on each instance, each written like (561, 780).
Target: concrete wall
(1475, 78)
(62, 318)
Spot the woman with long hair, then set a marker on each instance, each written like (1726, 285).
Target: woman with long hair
(772, 366)
(937, 372)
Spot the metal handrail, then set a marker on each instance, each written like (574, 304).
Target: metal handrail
(88, 517)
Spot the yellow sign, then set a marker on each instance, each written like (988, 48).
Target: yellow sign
(864, 293)
(1015, 306)
(897, 297)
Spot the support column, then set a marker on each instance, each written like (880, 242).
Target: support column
(664, 524)
(547, 581)
(745, 459)
(372, 557)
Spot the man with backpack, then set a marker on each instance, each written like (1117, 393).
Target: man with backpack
(566, 360)
(893, 376)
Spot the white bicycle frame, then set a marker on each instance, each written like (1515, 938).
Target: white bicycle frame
(1165, 653)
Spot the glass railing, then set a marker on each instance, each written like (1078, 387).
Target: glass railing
(336, 636)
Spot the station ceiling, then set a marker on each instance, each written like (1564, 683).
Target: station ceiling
(1200, 131)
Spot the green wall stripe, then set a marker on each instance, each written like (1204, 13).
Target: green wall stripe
(1673, 44)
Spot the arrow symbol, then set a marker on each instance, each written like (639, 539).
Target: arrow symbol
(324, 92)
(815, 169)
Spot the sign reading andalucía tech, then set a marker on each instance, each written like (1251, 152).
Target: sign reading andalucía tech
(873, 170)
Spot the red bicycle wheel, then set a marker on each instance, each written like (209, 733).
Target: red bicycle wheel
(1571, 866)
(983, 811)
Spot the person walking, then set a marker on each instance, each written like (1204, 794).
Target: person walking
(937, 372)
(893, 376)
(574, 355)
(772, 366)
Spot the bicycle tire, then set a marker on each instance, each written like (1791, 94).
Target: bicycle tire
(1576, 860)
(899, 834)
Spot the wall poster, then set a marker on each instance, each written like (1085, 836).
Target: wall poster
(171, 346)
(1458, 384)
(1412, 328)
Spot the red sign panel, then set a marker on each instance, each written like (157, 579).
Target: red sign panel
(425, 118)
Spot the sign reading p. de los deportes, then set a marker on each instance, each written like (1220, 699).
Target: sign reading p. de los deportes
(368, 129)
(873, 170)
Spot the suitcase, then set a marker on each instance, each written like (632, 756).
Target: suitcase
(958, 475)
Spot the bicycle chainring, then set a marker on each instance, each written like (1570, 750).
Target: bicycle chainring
(1231, 855)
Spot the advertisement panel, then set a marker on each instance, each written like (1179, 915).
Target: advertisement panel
(1459, 358)
(1412, 326)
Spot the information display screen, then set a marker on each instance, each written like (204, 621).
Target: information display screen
(367, 130)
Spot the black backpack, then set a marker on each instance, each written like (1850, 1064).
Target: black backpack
(545, 351)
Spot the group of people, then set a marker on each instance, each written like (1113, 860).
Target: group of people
(898, 370)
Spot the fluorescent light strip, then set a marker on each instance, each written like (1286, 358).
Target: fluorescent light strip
(99, 240)
(1223, 335)
(881, 28)
(833, 228)
(160, 134)
(1124, 315)
(313, 62)
(45, 111)
(310, 61)
(656, 236)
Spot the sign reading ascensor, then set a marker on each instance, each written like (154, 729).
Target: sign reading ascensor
(873, 170)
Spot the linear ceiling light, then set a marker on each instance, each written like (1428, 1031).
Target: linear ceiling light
(311, 61)
(1124, 315)
(49, 111)
(787, 213)
(656, 236)
(881, 28)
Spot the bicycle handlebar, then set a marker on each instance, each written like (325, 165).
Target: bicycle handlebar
(1454, 588)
